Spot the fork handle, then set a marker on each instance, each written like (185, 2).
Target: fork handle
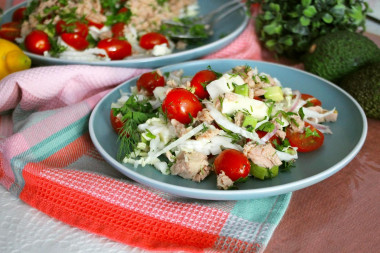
(220, 17)
(219, 9)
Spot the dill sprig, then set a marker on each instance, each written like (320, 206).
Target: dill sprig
(134, 113)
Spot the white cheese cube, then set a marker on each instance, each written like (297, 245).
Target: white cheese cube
(234, 102)
(223, 85)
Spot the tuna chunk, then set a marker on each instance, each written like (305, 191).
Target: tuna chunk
(239, 118)
(180, 128)
(263, 155)
(329, 118)
(297, 125)
(281, 134)
(208, 134)
(204, 116)
(191, 165)
(223, 181)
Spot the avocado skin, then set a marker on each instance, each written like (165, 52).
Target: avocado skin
(338, 54)
(364, 86)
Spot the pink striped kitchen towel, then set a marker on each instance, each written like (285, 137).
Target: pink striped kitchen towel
(47, 159)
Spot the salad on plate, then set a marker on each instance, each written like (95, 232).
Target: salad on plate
(240, 124)
(94, 30)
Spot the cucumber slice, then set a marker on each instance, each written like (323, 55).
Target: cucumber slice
(249, 121)
(263, 173)
(242, 90)
(275, 93)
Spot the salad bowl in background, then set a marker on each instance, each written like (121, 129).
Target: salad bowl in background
(349, 133)
(225, 31)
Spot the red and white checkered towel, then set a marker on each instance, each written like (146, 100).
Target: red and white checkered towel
(47, 159)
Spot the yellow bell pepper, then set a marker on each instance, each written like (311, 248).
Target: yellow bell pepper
(12, 58)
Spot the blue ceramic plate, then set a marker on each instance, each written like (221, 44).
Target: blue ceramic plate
(225, 32)
(339, 149)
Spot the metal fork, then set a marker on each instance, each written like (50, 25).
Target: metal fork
(208, 20)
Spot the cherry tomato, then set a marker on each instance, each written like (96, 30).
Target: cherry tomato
(18, 15)
(234, 164)
(303, 143)
(74, 40)
(116, 49)
(123, 10)
(118, 30)
(10, 31)
(149, 40)
(78, 28)
(37, 42)
(311, 99)
(179, 104)
(272, 140)
(149, 81)
(97, 25)
(200, 80)
(116, 123)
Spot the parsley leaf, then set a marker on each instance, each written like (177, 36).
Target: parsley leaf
(287, 165)
(218, 74)
(310, 132)
(266, 127)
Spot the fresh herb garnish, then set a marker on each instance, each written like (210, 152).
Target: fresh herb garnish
(287, 165)
(310, 132)
(264, 78)
(122, 17)
(204, 129)
(31, 7)
(282, 145)
(161, 2)
(55, 49)
(186, 25)
(301, 113)
(218, 74)
(266, 127)
(134, 113)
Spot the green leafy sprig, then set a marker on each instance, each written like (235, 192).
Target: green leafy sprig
(289, 27)
(134, 113)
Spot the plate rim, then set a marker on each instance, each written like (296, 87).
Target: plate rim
(144, 61)
(232, 194)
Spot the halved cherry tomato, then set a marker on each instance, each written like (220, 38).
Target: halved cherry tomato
(18, 15)
(10, 31)
(272, 140)
(234, 164)
(303, 143)
(149, 81)
(311, 99)
(75, 40)
(37, 42)
(179, 104)
(200, 80)
(118, 30)
(116, 123)
(116, 49)
(77, 27)
(149, 40)
(97, 25)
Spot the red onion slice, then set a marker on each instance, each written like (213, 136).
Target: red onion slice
(296, 100)
(320, 127)
(269, 135)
